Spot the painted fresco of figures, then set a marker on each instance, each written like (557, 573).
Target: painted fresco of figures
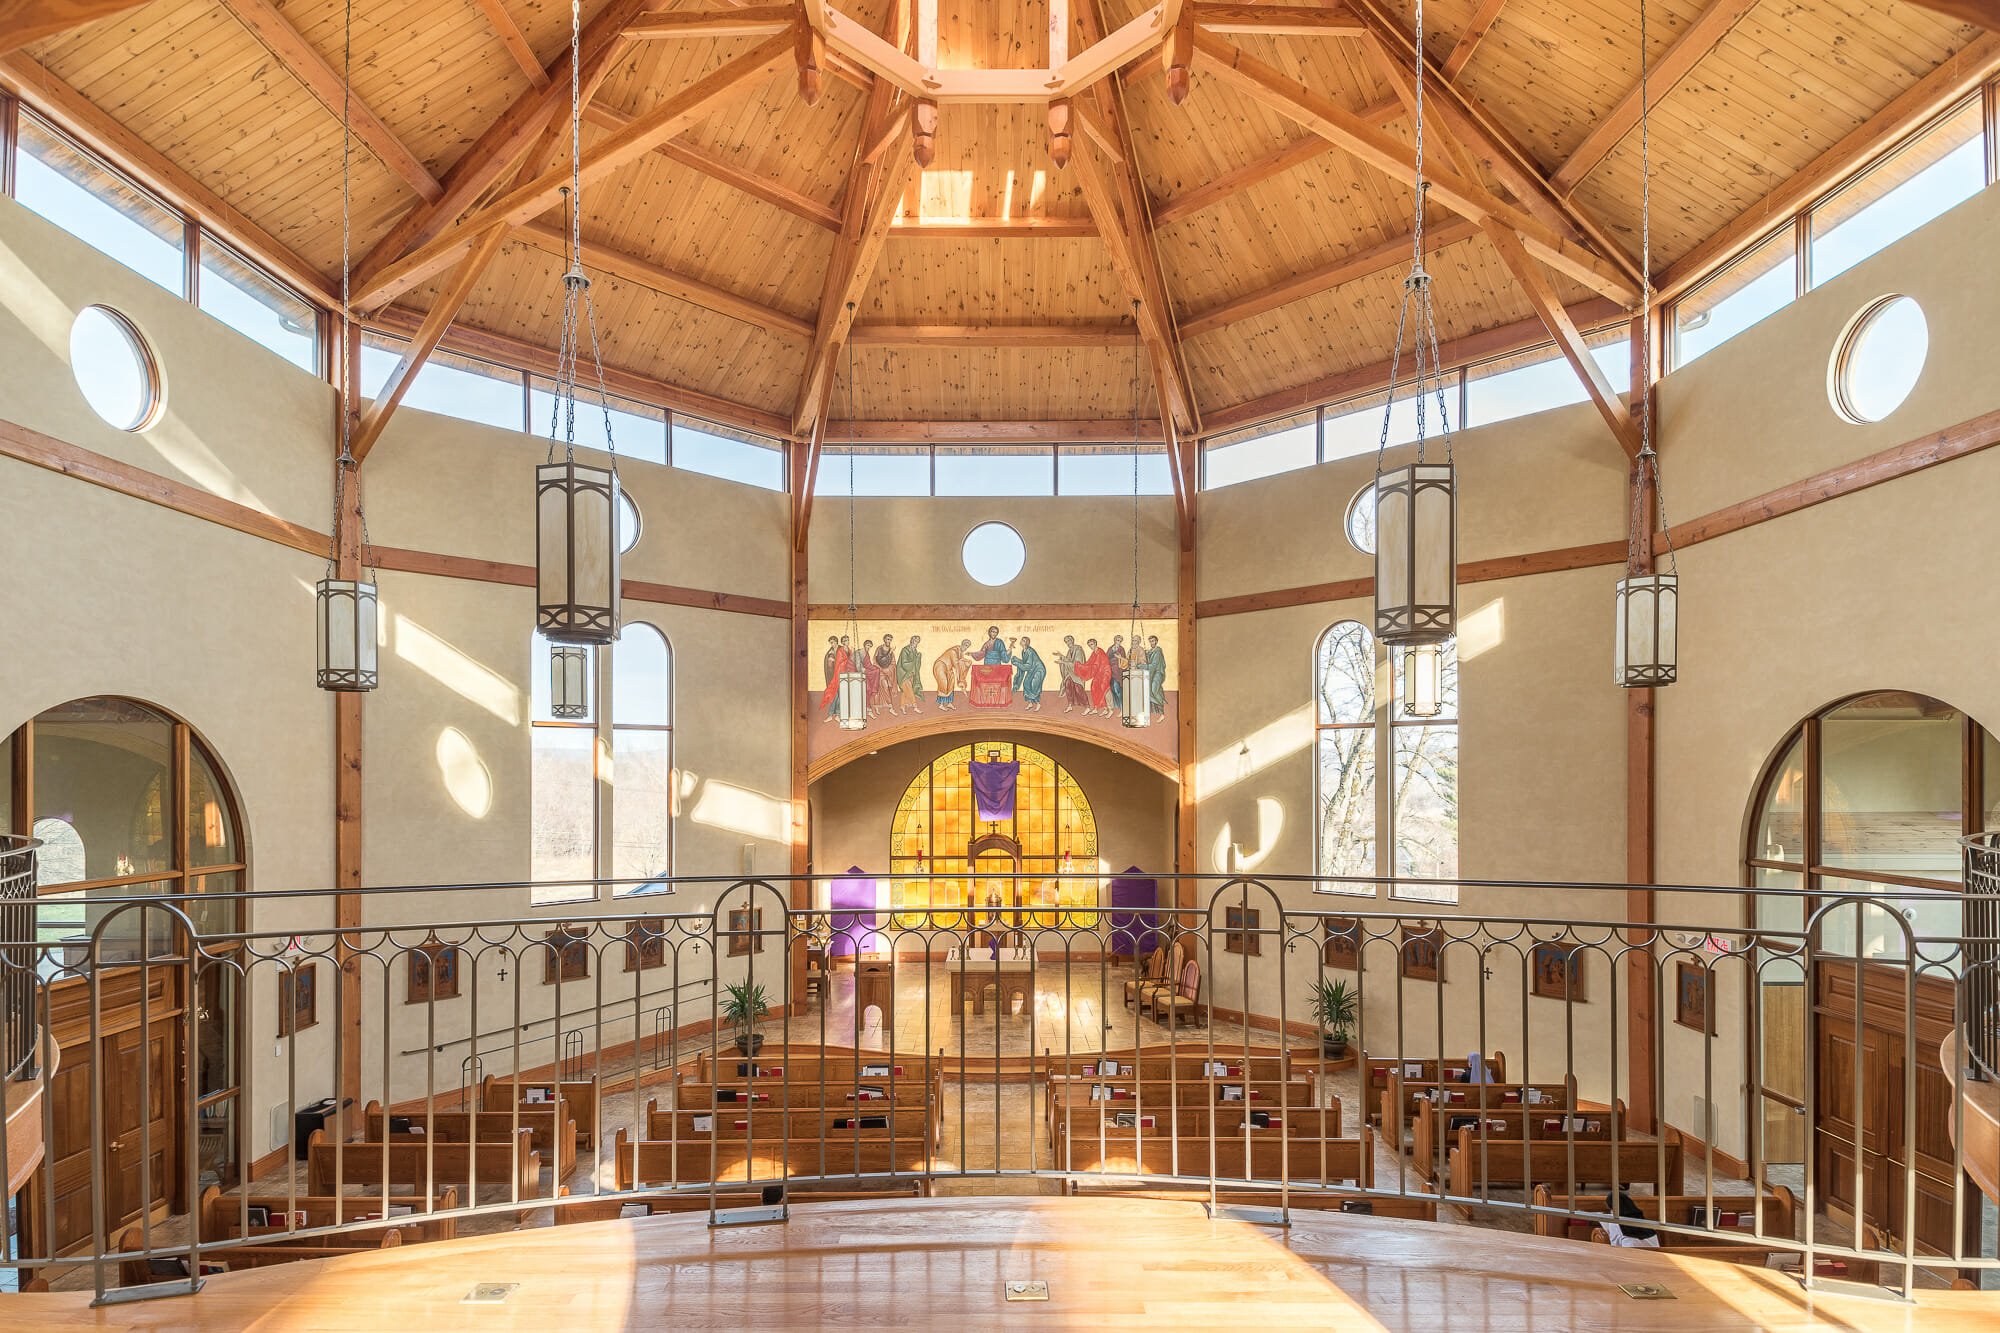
(842, 660)
(910, 677)
(1096, 675)
(1029, 673)
(1156, 664)
(944, 674)
(1067, 661)
(870, 674)
(1119, 661)
(885, 675)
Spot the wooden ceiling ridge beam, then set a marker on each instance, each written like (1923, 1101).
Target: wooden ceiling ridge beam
(1104, 335)
(132, 155)
(1277, 20)
(1512, 166)
(1352, 267)
(749, 182)
(291, 50)
(1695, 42)
(1476, 28)
(1015, 228)
(25, 22)
(1369, 145)
(534, 197)
(504, 143)
(747, 21)
(516, 41)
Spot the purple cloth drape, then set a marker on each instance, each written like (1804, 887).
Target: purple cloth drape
(853, 930)
(1133, 921)
(993, 788)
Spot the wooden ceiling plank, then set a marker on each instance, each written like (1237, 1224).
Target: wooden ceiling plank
(1100, 430)
(1296, 153)
(1534, 283)
(516, 42)
(1017, 228)
(1366, 144)
(680, 286)
(1390, 254)
(1980, 13)
(749, 21)
(513, 133)
(1964, 71)
(1475, 32)
(25, 22)
(1103, 336)
(90, 123)
(289, 46)
(1277, 20)
(1702, 36)
(529, 200)
(749, 182)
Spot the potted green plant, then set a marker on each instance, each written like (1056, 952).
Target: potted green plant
(742, 1006)
(1332, 1006)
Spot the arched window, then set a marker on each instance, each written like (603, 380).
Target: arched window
(602, 783)
(934, 825)
(1355, 723)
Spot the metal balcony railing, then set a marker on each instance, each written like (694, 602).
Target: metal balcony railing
(1529, 1047)
(1982, 975)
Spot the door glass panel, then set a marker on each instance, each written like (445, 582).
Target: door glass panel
(1891, 775)
(211, 831)
(1781, 824)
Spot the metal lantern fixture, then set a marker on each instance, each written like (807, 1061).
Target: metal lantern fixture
(1423, 680)
(1648, 601)
(850, 700)
(569, 680)
(576, 504)
(1416, 505)
(345, 610)
(1138, 683)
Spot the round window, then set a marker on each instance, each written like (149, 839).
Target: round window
(994, 554)
(1360, 521)
(1879, 359)
(629, 522)
(114, 368)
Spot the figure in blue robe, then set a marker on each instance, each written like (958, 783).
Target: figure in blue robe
(1030, 672)
(1156, 663)
(995, 652)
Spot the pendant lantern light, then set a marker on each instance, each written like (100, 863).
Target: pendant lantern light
(345, 610)
(1416, 505)
(576, 503)
(1138, 685)
(1648, 601)
(851, 696)
(1423, 680)
(569, 680)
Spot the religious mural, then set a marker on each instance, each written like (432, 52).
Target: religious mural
(922, 670)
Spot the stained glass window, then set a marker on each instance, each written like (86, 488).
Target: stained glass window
(931, 844)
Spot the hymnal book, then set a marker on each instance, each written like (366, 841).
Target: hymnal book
(1552, 1126)
(1232, 1092)
(878, 1071)
(1455, 1098)
(1459, 1122)
(1131, 1120)
(867, 1093)
(862, 1122)
(1215, 1069)
(1534, 1096)
(1090, 1069)
(534, 1096)
(703, 1124)
(259, 1216)
(1413, 1071)
(1457, 1076)
(740, 1124)
(728, 1095)
(401, 1210)
(1510, 1098)
(635, 1210)
(1121, 1094)
(1357, 1206)
(1262, 1120)
(1107, 1066)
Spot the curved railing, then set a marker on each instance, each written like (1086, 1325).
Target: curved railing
(1982, 928)
(19, 1028)
(428, 1033)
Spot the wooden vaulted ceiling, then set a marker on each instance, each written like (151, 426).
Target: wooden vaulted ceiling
(993, 296)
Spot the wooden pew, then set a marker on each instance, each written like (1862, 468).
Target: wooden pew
(776, 1122)
(499, 1092)
(1399, 1110)
(1312, 1160)
(702, 1096)
(1189, 1061)
(807, 1064)
(1187, 1115)
(1127, 1094)
(644, 1162)
(140, 1272)
(1410, 1207)
(1733, 1238)
(1435, 1129)
(609, 1207)
(221, 1215)
(1381, 1073)
(507, 1165)
(550, 1129)
(1517, 1164)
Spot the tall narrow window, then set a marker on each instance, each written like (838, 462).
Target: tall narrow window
(1406, 829)
(562, 836)
(642, 753)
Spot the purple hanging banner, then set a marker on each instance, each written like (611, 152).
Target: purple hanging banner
(993, 788)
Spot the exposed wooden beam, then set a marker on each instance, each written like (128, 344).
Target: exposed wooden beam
(749, 21)
(1087, 430)
(1487, 343)
(1512, 166)
(1094, 335)
(509, 349)
(1393, 253)
(1960, 73)
(1277, 20)
(1475, 32)
(660, 278)
(758, 187)
(537, 196)
(1002, 229)
(814, 449)
(1296, 153)
(1695, 42)
(145, 164)
(476, 569)
(323, 81)
(443, 310)
(1980, 13)
(501, 146)
(25, 22)
(1554, 561)
(1367, 144)
(1534, 283)
(516, 42)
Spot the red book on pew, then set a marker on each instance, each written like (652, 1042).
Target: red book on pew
(1455, 1098)
(1509, 1098)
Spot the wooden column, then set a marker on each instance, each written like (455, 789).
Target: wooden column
(347, 766)
(799, 483)
(1185, 850)
(1642, 982)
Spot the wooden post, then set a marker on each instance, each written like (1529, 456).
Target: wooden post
(810, 56)
(1059, 109)
(1642, 1095)
(1185, 850)
(800, 485)
(1177, 55)
(924, 119)
(347, 767)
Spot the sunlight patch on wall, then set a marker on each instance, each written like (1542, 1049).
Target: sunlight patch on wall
(1482, 629)
(1270, 826)
(450, 667)
(1252, 754)
(467, 780)
(725, 805)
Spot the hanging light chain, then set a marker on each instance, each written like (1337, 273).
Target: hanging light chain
(853, 626)
(1138, 350)
(1649, 458)
(576, 282)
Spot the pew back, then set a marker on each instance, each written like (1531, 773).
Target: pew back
(1518, 1164)
(410, 1159)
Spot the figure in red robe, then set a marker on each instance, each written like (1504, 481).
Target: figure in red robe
(1095, 671)
(843, 662)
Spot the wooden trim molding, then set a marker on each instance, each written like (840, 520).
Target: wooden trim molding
(403, 561)
(1471, 571)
